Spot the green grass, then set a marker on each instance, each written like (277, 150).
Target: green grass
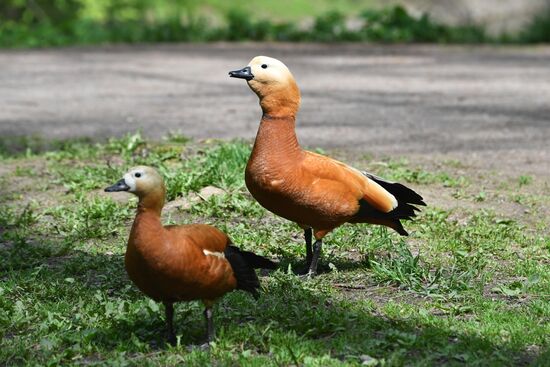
(401, 170)
(468, 287)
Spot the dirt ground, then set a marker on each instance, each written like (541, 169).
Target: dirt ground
(485, 105)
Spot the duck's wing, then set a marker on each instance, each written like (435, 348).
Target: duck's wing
(328, 172)
(222, 262)
(378, 201)
(200, 259)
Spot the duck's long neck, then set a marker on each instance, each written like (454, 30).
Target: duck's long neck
(152, 203)
(280, 102)
(147, 222)
(276, 137)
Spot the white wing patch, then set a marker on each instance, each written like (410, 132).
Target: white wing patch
(214, 253)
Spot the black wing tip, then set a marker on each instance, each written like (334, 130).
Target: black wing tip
(414, 199)
(273, 265)
(417, 201)
(399, 228)
(255, 293)
(408, 195)
(403, 233)
(257, 261)
(260, 262)
(243, 264)
(251, 259)
(402, 193)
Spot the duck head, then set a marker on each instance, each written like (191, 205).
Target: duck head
(144, 182)
(274, 84)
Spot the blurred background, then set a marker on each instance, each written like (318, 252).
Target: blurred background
(31, 23)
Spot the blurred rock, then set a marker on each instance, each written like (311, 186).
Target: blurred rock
(367, 360)
(182, 203)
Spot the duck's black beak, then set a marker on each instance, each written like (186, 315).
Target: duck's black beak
(244, 73)
(119, 186)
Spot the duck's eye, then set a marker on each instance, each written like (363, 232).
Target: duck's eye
(264, 66)
(137, 175)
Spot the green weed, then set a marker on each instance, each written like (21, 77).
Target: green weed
(524, 180)
(401, 171)
(91, 218)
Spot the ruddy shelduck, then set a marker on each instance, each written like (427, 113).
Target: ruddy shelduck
(181, 263)
(316, 192)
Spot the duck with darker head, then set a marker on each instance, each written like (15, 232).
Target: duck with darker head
(316, 192)
(181, 263)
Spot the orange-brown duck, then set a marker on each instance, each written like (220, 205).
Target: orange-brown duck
(316, 192)
(181, 263)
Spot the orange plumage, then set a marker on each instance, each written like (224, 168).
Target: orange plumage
(181, 263)
(314, 191)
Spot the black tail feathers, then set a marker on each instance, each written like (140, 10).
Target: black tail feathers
(401, 192)
(243, 264)
(406, 201)
(398, 226)
(256, 261)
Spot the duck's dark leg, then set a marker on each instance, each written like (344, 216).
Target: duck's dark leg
(169, 310)
(308, 234)
(210, 333)
(317, 246)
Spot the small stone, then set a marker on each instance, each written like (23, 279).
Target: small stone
(209, 191)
